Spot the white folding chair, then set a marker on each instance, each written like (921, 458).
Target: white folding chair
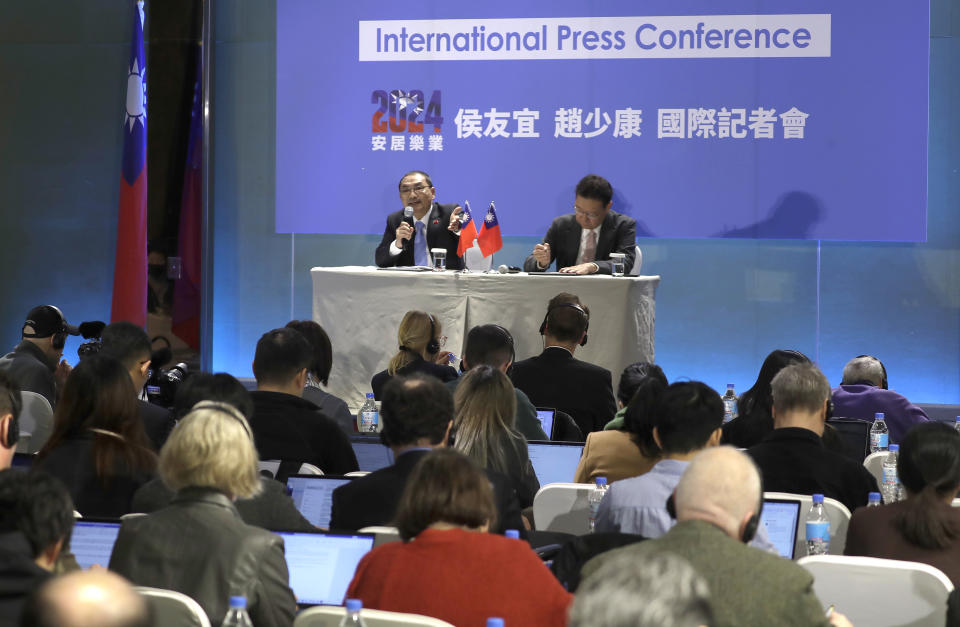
(879, 592)
(637, 262)
(173, 608)
(382, 534)
(837, 514)
(36, 418)
(272, 466)
(563, 507)
(874, 464)
(328, 616)
(309, 469)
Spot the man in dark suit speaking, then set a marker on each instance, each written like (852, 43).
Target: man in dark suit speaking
(581, 242)
(432, 225)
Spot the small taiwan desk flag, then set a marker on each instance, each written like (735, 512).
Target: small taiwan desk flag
(489, 239)
(468, 230)
(130, 269)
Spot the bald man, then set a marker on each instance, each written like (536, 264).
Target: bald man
(718, 502)
(90, 598)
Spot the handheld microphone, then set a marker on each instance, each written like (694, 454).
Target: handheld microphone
(408, 218)
(505, 269)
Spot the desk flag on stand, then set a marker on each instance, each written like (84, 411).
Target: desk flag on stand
(489, 238)
(468, 230)
(130, 267)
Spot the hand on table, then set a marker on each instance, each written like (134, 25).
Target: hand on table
(583, 268)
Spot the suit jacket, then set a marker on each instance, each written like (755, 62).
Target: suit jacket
(199, 546)
(617, 235)
(19, 576)
(747, 586)
(863, 401)
(32, 370)
(418, 366)
(554, 378)
(373, 499)
(437, 237)
(157, 422)
(611, 454)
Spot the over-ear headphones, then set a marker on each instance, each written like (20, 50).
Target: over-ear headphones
(749, 528)
(13, 432)
(883, 369)
(433, 346)
(508, 338)
(829, 413)
(583, 313)
(228, 409)
(59, 337)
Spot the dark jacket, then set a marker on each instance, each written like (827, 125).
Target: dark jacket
(199, 546)
(32, 370)
(618, 234)
(19, 576)
(419, 365)
(526, 422)
(157, 422)
(438, 236)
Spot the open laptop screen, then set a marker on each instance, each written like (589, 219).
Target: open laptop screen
(782, 518)
(546, 415)
(322, 565)
(555, 462)
(92, 541)
(313, 496)
(371, 453)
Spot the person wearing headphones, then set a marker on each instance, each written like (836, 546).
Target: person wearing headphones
(420, 343)
(555, 378)
(36, 363)
(718, 503)
(10, 405)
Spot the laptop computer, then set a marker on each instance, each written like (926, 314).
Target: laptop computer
(22, 461)
(781, 517)
(313, 496)
(371, 453)
(92, 541)
(322, 564)
(555, 462)
(546, 415)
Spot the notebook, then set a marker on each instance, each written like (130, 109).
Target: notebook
(546, 415)
(371, 453)
(555, 462)
(781, 517)
(322, 564)
(92, 541)
(313, 496)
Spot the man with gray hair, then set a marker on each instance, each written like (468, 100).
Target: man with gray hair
(87, 598)
(863, 392)
(792, 458)
(718, 502)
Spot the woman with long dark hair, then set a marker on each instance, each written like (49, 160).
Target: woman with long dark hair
(98, 447)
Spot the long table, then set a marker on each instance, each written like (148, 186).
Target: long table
(361, 308)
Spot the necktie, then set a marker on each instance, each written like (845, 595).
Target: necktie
(420, 246)
(590, 248)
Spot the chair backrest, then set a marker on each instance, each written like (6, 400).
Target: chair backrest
(329, 616)
(874, 464)
(854, 435)
(879, 592)
(309, 469)
(837, 514)
(637, 262)
(269, 466)
(563, 507)
(565, 428)
(173, 608)
(36, 418)
(382, 534)
(356, 473)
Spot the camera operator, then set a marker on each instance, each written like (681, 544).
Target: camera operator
(36, 363)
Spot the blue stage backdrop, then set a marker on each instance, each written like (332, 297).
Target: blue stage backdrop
(712, 118)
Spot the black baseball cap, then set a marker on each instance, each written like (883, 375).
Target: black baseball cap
(47, 320)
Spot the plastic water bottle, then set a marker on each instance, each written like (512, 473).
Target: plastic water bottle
(818, 528)
(237, 614)
(513, 534)
(368, 420)
(891, 483)
(352, 618)
(494, 621)
(730, 404)
(873, 499)
(596, 495)
(878, 433)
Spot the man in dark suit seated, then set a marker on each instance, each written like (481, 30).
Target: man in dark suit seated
(130, 345)
(417, 415)
(434, 226)
(554, 378)
(792, 457)
(581, 242)
(285, 426)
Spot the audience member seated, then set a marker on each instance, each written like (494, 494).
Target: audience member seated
(924, 527)
(792, 458)
(420, 343)
(863, 392)
(272, 508)
(555, 378)
(755, 420)
(130, 345)
(661, 590)
(35, 364)
(98, 446)
(448, 566)
(92, 598)
(484, 409)
(319, 373)
(285, 426)
(492, 345)
(417, 417)
(198, 545)
(36, 516)
(718, 502)
(10, 406)
(629, 450)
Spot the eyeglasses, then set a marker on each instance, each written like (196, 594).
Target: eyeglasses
(586, 214)
(414, 190)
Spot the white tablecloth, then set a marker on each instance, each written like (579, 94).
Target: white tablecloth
(361, 307)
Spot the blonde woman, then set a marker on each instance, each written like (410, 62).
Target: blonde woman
(420, 349)
(198, 545)
(485, 407)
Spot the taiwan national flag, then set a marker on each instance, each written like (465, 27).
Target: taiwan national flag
(130, 269)
(468, 231)
(489, 238)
